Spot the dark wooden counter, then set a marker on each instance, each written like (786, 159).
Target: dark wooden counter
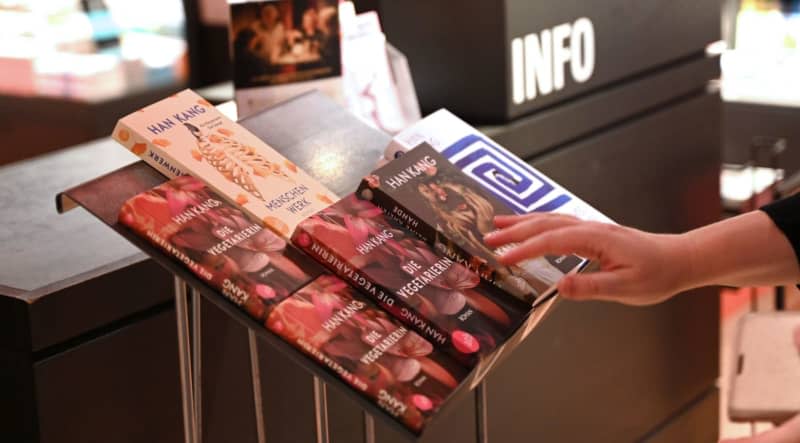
(77, 305)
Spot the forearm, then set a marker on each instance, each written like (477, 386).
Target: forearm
(747, 250)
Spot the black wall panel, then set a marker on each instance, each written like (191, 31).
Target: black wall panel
(609, 371)
(122, 387)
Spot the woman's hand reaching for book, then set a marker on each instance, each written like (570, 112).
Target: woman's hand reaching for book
(641, 268)
(635, 267)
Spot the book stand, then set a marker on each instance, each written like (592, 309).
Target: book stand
(104, 196)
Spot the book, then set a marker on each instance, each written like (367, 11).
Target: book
(431, 197)
(440, 299)
(184, 134)
(404, 374)
(251, 266)
(292, 296)
(511, 180)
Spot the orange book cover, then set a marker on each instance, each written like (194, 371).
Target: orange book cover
(185, 134)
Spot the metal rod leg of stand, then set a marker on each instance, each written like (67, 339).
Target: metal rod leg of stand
(255, 373)
(185, 360)
(197, 364)
(321, 410)
(369, 428)
(482, 413)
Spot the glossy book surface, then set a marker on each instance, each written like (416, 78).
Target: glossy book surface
(184, 134)
(439, 298)
(290, 294)
(249, 264)
(380, 358)
(451, 211)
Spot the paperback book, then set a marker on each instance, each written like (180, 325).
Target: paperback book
(431, 197)
(431, 293)
(251, 266)
(184, 134)
(282, 288)
(511, 180)
(404, 374)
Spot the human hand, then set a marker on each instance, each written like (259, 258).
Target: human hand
(636, 267)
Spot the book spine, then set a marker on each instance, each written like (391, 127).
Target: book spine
(426, 232)
(149, 153)
(387, 300)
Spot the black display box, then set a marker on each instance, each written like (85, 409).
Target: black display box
(470, 56)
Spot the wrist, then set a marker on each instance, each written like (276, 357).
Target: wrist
(695, 272)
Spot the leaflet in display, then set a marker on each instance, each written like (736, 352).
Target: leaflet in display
(511, 180)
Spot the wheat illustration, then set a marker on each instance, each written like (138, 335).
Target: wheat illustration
(235, 161)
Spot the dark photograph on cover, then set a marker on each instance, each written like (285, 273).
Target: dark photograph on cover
(454, 213)
(284, 41)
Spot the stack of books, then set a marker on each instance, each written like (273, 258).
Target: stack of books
(389, 287)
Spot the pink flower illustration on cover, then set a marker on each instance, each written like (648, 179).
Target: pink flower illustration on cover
(234, 252)
(348, 225)
(329, 317)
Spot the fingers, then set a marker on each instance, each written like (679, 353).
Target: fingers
(527, 227)
(592, 286)
(504, 221)
(584, 239)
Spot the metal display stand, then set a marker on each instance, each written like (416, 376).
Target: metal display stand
(103, 197)
(191, 382)
(343, 136)
(189, 350)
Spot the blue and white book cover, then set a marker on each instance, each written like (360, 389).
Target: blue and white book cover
(521, 186)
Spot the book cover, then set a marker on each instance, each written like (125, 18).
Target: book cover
(437, 297)
(380, 358)
(511, 180)
(292, 295)
(250, 265)
(184, 134)
(435, 200)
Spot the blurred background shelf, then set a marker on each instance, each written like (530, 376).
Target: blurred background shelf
(760, 83)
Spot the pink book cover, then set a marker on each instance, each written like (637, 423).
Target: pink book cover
(379, 357)
(431, 293)
(249, 264)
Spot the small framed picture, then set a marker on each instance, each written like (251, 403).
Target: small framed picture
(277, 42)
